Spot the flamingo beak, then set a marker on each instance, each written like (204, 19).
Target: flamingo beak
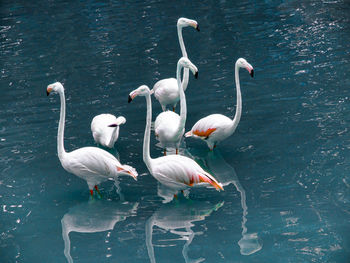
(196, 75)
(252, 73)
(197, 27)
(48, 90)
(132, 175)
(132, 95)
(113, 125)
(250, 70)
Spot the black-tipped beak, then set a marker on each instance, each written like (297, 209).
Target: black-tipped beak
(196, 75)
(47, 93)
(252, 73)
(129, 99)
(113, 125)
(197, 28)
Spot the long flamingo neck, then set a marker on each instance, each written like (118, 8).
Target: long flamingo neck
(114, 136)
(60, 133)
(183, 107)
(238, 114)
(146, 140)
(184, 54)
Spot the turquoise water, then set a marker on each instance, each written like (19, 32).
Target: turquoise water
(285, 169)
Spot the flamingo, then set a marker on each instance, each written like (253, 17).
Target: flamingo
(105, 129)
(217, 127)
(169, 127)
(174, 171)
(166, 91)
(92, 164)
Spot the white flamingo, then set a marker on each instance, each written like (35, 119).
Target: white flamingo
(217, 127)
(105, 129)
(174, 171)
(166, 90)
(92, 164)
(169, 127)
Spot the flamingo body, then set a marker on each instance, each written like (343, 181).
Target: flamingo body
(166, 92)
(94, 165)
(212, 129)
(166, 125)
(103, 132)
(180, 172)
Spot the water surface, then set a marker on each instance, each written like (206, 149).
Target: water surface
(285, 170)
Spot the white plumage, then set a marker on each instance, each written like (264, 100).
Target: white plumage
(169, 127)
(180, 172)
(175, 171)
(166, 90)
(105, 129)
(166, 129)
(217, 127)
(92, 164)
(212, 129)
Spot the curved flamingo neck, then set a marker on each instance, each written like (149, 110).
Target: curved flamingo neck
(60, 134)
(146, 140)
(184, 54)
(183, 107)
(238, 114)
(114, 136)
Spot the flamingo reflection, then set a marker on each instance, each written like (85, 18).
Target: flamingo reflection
(178, 219)
(250, 243)
(92, 217)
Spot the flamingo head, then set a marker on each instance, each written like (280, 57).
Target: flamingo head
(128, 170)
(185, 62)
(120, 120)
(140, 91)
(56, 87)
(184, 22)
(242, 63)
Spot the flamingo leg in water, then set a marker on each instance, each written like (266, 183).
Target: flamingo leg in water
(119, 190)
(165, 152)
(98, 191)
(173, 109)
(177, 151)
(92, 193)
